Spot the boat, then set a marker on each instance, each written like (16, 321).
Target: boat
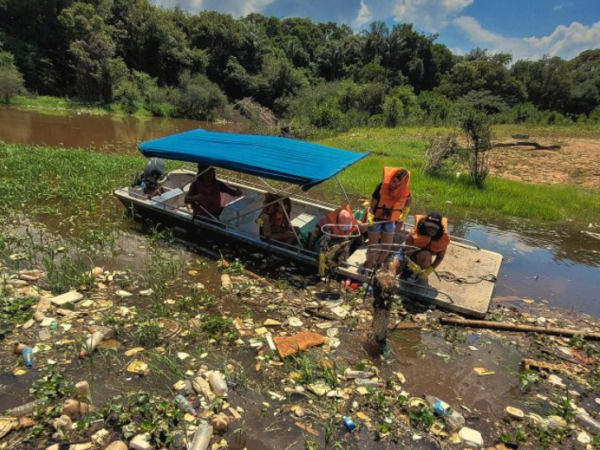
(291, 168)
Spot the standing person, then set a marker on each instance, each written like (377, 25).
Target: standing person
(390, 204)
(205, 193)
(431, 236)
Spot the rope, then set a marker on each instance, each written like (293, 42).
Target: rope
(451, 278)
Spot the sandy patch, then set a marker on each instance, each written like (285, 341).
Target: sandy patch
(576, 162)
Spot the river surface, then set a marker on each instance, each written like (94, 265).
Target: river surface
(557, 265)
(118, 134)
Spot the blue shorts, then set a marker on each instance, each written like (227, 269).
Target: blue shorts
(383, 227)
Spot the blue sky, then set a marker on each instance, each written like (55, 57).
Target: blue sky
(528, 29)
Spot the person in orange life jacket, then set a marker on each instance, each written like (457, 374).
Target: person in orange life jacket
(390, 204)
(274, 220)
(343, 224)
(205, 193)
(431, 236)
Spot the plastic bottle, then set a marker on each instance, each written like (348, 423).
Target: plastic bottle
(27, 408)
(350, 374)
(201, 386)
(584, 419)
(454, 420)
(91, 343)
(226, 282)
(440, 407)
(218, 383)
(202, 437)
(183, 404)
(349, 423)
(27, 353)
(367, 382)
(178, 440)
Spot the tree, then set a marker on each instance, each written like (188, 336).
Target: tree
(11, 80)
(278, 79)
(199, 98)
(585, 70)
(91, 48)
(548, 82)
(484, 73)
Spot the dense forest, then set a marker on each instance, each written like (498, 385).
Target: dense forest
(170, 62)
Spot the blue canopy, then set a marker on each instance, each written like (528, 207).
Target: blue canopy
(270, 157)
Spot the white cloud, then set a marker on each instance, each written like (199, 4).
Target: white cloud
(560, 6)
(364, 15)
(430, 15)
(565, 41)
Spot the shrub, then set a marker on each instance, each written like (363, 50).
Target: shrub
(393, 112)
(477, 128)
(198, 98)
(11, 80)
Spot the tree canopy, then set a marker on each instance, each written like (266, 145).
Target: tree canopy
(132, 51)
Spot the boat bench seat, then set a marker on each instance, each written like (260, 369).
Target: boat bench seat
(303, 219)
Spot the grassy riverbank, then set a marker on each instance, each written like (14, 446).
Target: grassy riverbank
(69, 182)
(63, 105)
(452, 190)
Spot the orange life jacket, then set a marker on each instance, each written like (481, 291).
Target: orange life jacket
(425, 242)
(332, 218)
(391, 203)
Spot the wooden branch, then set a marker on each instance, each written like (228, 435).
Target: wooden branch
(404, 326)
(316, 313)
(527, 144)
(505, 326)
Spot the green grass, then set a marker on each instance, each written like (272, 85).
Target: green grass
(58, 105)
(455, 195)
(74, 187)
(63, 105)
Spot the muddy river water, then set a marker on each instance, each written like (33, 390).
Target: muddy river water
(558, 265)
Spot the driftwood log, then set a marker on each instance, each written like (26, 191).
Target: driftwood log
(506, 326)
(535, 145)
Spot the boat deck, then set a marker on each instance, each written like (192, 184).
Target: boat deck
(470, 298)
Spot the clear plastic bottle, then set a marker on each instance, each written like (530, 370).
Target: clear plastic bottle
(26, 409)
(218, 384)
(91, 343)
(202, 437)
(350, 374)
(454, 420)
(368, 382)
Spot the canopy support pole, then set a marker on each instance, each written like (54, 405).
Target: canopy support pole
(290, 222)
(343, 190)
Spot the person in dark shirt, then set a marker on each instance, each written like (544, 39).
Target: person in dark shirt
(204, 194)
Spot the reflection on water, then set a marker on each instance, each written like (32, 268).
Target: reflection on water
(560, 266)
(100, 132)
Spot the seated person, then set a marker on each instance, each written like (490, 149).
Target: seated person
(344, 224)
(152, 178)
(274, 221)
(431, 236)
(204, 194)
